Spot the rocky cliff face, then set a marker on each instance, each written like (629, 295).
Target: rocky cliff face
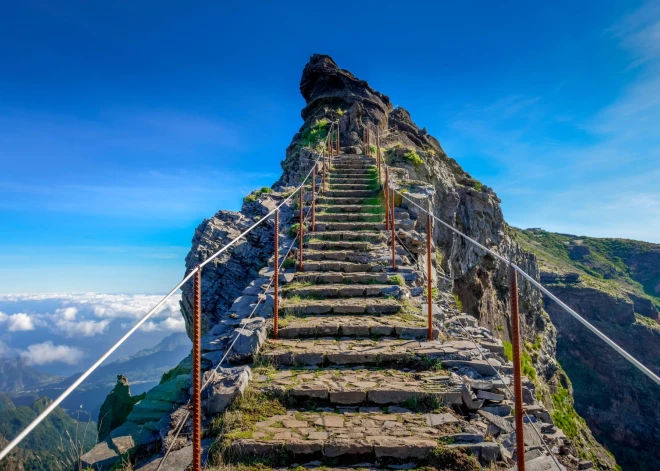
(614, 284)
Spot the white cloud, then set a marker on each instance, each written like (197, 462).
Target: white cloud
(47, 352)
(87, 328)
(67, 313)
(5, 351)
(17, 322)
(171, 324)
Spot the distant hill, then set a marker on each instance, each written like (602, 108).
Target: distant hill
(16, 376)
(51, 445)
(143, 369)
(615, 284)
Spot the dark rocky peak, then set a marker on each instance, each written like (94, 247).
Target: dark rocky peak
(324, 83)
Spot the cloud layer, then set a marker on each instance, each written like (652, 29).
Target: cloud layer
(67, 326)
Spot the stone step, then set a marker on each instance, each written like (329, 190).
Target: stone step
(350, 226)
(363, 386)
(344, 201)
(338, 245)
(351, 306)
(338, 277)
(369, 186)
(337, 255)
(342, 166)
(345, 267)
(350, 217)
(328, 351)
(349, 208)
(353, 171)
(342, 291)
(354, 326)
(375, 237)
(351, 180)
(341, 433)
(350, 193)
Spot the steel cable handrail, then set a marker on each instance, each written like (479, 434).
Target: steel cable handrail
(212, 376)
(12, 444)
(577, 316)
(479, 348)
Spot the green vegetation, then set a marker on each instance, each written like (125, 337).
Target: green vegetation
(459, 304)
(252, 197)
(340, 112)
(373, 149)
(289, 262)
(478, 185)
(294, 230)
(54, 444)
(311, 137)
(413, 157)
(423, 404)
(239, 421)
(397, 280)
(564, 414)
(525, 360)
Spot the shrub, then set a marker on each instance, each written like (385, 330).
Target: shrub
(311, 137)
(252, 197)
(295, 229)
(413, 157)
(340, 112)
(459, 304)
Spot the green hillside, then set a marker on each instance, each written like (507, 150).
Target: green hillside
(51, 445)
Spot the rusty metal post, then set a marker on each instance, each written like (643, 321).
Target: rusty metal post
(517, 378)
(323, 174)
(300, 233)
(276, 278)
(330, 146)
(314, 199)
(338, 143)
(387, 196)
(197, 372)
(429, 284)
(369, 141)
(378, 151)
(392, 223)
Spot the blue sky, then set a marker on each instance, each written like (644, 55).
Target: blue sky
(123, 124)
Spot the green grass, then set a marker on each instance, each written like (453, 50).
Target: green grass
(564, 415)
(289, 263)
(397, 280)
(459, 304)
(239, 420)
(413, 157)
(423, 404)
(525, 360)
(311, 137)
(294, 230)
(478, 185)
(252, 197)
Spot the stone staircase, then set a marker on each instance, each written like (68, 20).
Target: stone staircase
(353, 376)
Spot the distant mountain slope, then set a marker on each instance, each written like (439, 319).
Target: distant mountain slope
(615, 284)
(143, 369)
(49, 446)
(16, 376)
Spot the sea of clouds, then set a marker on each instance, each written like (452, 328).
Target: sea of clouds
(60, 332)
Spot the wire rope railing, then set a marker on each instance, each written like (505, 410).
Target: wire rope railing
(196, 274)
(514, 270)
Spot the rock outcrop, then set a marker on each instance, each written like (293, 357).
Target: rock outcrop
(116, 407)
